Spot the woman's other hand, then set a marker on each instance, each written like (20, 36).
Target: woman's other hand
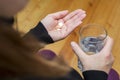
(101, 61)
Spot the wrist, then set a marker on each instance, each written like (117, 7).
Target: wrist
(106, 70)
(95, 75)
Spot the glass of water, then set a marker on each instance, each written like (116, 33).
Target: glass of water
(92, 38)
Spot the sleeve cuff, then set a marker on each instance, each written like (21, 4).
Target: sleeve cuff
(95, 75)
(41, 33)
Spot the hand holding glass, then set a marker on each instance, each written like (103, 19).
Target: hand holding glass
(92, 38)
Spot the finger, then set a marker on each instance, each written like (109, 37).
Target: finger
(78, 20)
(81, 17)
(60, 14)
(75, 18)
(65, 31)
(70, 15)
(74, 22)
(108, 45)
(71, 27)
(78, 51)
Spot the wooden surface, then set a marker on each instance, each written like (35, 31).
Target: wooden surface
(105, 12)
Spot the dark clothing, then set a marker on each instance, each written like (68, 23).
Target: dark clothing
(73, 75)
(41, 34)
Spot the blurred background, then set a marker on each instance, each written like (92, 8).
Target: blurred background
(104, 12)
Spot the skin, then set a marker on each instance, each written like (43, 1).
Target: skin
(70, 21)
(9, 8)
(102, 61)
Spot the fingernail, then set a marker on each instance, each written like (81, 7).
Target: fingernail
(84, 11)
(82, 16)
(81, 22)
(66, 11)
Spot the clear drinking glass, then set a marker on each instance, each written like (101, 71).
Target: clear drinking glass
(92, 39)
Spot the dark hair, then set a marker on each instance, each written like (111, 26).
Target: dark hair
(18, 57)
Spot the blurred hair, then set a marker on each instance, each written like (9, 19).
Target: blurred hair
(18, 57)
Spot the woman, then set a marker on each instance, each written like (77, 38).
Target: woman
(17, 55)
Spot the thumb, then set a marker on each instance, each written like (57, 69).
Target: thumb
(78, 51)
(60, 14)
(108, 45)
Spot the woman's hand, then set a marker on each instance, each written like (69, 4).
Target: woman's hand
(61, 24)
(101, 61)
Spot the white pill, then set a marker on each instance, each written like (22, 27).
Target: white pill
(60, 24)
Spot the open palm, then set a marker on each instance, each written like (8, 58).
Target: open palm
(70, 22)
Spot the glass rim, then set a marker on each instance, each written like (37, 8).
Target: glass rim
(98, 25)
